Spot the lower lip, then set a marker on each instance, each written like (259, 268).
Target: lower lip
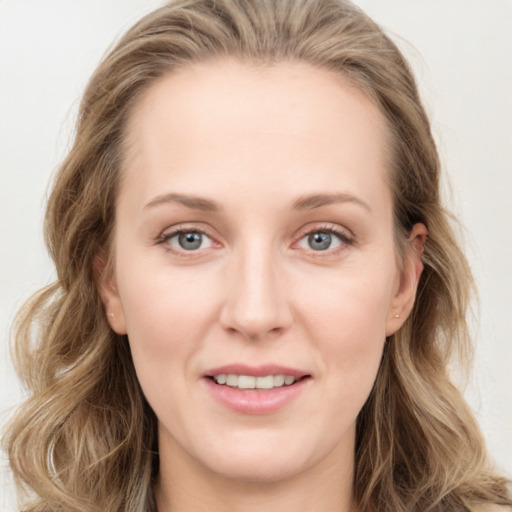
(253, 401)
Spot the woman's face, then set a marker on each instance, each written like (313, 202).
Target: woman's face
(254, 247)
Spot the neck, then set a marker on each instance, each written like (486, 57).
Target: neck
(185, 486)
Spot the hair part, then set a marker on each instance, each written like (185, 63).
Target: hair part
(418, 447)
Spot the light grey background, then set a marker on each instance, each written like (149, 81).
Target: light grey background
(461, 51)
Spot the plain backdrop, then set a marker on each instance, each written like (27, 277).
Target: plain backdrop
(461, 51)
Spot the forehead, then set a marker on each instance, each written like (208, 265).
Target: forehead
(242, 123)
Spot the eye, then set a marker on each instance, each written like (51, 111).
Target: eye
(188, 240)
(323, 240)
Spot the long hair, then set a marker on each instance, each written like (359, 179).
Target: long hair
(85, 439)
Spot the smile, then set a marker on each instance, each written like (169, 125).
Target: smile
(252, 382)
(256, 390)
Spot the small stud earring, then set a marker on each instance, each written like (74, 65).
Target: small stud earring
(396, 316)
(111, 315)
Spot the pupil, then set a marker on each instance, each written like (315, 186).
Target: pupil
(190, 241)
(319, 241)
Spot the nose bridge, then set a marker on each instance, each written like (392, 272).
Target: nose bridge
(256, 304)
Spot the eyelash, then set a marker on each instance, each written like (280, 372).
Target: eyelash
(345, 239)
(167, 236)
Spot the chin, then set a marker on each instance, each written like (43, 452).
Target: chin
(260, 470)
(264, 457)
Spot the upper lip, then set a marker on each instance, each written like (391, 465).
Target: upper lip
(256, 371)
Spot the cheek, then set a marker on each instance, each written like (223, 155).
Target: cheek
(348, 326)
(165, 316)
(164, 336)
(160, 302)
(353, 308)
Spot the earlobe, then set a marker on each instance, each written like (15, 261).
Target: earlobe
(403, 301)
(105, 283)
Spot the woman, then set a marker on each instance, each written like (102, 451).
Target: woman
(258, 289)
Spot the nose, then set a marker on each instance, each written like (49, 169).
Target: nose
(256, 304)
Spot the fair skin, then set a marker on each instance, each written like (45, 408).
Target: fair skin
(254, 229)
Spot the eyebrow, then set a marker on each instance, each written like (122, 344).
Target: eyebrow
(313, 201)
(193, 202)
(308, 202)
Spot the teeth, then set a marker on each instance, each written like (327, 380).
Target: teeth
(279, 380)
(289, 380)
(232, 380)
(265, 382)
(250, 382)
(246, 382)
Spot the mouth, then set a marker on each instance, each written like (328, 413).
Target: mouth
(257, 383)
(256, 390)
(264, 379)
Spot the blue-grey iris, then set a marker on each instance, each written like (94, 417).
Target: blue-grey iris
(190, 241)
(319, 241)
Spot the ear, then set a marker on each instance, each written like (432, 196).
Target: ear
(403, 300)
(105, 282)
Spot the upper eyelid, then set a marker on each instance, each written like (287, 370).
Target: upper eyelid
(186, 227)
(166, 235)
(330, 228)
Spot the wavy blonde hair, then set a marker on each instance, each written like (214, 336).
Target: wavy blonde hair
(85, 440)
